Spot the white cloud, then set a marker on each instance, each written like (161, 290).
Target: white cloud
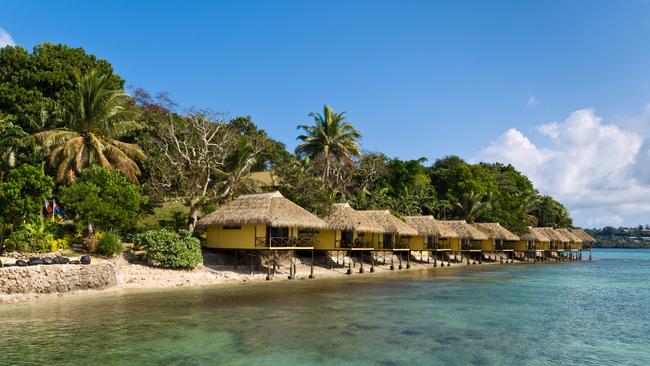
(600, 171)
(532, 101)
(5, 38)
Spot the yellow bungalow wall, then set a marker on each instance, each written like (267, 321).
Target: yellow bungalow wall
(417, 242)
(487, 245)
(241, 238)
(326, 239)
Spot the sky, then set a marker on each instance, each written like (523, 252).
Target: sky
(559, 89)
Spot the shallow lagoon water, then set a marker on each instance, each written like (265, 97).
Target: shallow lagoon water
(581, 313)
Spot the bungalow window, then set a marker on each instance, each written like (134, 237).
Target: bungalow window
(347, 236)
(531, 245)
(279, 232)
(232, 227)
(431, 241)
(464, 244)
(388, 239)
(499, 244)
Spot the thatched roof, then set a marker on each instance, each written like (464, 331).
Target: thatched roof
(344, 217)
(465, 230)
(569, 235)
(389, 223)
(583, 235)
(428, 225)
(535, 234)
(495, 231)
(553, 234)
(263, 208)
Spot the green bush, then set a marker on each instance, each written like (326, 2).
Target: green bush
(167, 249)
(109, 244)
(30, 237)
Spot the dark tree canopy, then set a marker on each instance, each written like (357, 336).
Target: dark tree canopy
(32, 82)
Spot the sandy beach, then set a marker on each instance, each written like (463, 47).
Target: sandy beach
(134, 277)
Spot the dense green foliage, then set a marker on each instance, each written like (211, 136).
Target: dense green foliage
(117, 157)
(109, 244)
(622, 237)
(168, 249)
(103, 198)
(32, 82)
(22, 194)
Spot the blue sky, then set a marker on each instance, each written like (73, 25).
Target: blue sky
(418, 78)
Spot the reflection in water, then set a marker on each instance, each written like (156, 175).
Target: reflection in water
(574, 313)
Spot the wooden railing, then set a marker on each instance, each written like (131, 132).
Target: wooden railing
(356, 244)
(438, 246)
(470, 246)
(284, 242)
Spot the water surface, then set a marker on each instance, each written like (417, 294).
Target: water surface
(587, 313)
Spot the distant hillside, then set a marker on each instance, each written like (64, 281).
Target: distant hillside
(622, 237)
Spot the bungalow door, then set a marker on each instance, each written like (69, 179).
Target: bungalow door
(347, 238)
(388, 241)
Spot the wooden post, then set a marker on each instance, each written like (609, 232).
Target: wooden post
(361, 267)
(408, 260)
(268, 267)
(251, 262)
(372, 264)
(275, 261)
(311, 270)
(291, 268)
(467, 258)
(590, 251)
(400, 261)
(435, 258)
(392, 266)
(350, 263)
(235, 265)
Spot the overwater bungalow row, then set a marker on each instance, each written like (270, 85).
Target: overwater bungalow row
(269, 229)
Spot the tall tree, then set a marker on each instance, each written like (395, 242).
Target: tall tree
(332, 138)
(473, 205)
(93, 125)
(11, 138)
(551, 213)
(197, 158)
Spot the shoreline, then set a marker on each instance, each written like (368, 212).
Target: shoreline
(137, 278)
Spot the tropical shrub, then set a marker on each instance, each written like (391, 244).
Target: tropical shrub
(168, 249)
(30, 237)
(22, 194)
(109, 244)
(103, 198)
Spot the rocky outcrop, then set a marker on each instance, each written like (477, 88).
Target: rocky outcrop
(44, 279)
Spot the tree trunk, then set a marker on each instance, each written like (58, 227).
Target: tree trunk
(193, 215)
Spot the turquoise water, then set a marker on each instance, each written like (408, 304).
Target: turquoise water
(588, 313)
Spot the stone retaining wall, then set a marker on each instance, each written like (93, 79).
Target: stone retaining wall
(56, 278)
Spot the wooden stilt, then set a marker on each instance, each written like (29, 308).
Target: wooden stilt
(275, 261)
(400, 261)
(251, 262)
(372, 263)
(291, 268)
(350, 263)
(235, 263)
(435, 258)
(392, 266)
(408, 260)
(361, 267)
(268, 267)
(311, 270)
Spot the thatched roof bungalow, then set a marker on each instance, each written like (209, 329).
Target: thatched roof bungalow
(395, 231)
(575, 242)
(432, 234)
(499, 238)
(347, 228)
(557, 240)
(586, 238)
(259, 220)
(469, 237)
(534, 239)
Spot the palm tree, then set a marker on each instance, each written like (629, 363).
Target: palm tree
(472, 205)
(91, 132)
(330, 138)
